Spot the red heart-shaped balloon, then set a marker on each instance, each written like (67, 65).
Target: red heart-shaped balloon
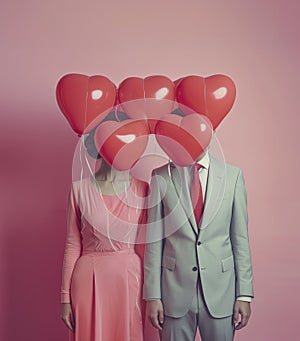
(212, 96)
(177, 82)
(85, 100)
(121, 144)
(184, 139)
(149, 98)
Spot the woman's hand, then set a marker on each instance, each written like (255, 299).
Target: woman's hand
(67, 316)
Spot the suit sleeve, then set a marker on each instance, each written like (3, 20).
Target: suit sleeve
(154, 243)
(72, 247)
(240, 240)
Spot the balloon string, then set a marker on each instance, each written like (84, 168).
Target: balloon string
(89, 167)
(116, 114)
(102, 199)
(127, 235)
(137, 301)
(107, 216)
(86, 104)
(81, 174)
(145, 102)
(81, 148)
(116, 106)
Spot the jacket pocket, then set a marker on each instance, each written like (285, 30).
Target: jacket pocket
(227, 263)
(169, 262)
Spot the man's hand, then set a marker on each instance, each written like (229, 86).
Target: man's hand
(242, 312)
(67, 316)
(155, 313)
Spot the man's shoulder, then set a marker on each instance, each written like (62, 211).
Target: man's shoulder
(168, 168)
(225, 165)
(220, 168)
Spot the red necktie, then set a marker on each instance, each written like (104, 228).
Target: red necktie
(196, 194)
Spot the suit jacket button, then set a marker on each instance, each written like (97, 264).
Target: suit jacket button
(195, 268)
(199, 243)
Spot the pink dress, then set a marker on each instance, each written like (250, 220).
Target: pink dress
(102, 273)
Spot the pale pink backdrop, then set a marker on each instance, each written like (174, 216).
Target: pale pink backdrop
(255, 42)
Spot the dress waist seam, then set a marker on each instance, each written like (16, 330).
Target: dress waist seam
(108, 253)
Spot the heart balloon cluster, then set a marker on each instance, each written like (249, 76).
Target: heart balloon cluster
(181, 114)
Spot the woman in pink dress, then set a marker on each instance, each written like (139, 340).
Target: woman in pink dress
(102, 272)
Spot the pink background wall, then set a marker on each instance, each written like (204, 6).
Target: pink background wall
(255, 42)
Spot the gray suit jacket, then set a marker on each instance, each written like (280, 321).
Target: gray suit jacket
(177, 254)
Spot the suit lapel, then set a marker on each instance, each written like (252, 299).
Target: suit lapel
(181, 180)
(214, 191)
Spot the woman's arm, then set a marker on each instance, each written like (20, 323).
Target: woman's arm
(72, 253)
(72, 246)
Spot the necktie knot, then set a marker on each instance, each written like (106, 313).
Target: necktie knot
(198, 166)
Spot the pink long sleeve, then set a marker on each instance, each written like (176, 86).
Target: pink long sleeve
(72, 248)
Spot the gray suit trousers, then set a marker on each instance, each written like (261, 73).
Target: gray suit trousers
(184, 328)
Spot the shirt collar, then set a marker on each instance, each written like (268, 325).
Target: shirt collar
(204, 161)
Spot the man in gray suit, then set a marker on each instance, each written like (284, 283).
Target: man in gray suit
(198, 276)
